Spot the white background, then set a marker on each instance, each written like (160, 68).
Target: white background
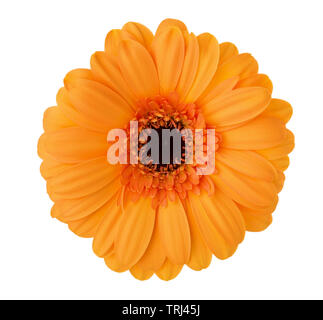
(42, 40)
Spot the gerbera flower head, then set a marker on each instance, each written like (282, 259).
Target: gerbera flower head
(154, 217)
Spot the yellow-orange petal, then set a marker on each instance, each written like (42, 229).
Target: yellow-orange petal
(255, 222)
(140, 273)
(209, 53)
(171, 23)
(259, 133)
(281, 163)
(236, 106)
(174, 232)
(87, 226)
(279, 109)
(75, 75)
(154, 257)
(283, 149)
(106, 70)
(54, 119)
(227, 51)
(247, 162)
(140, 32)
(113, 40)
(190, 65)
(134, 231)
(201, 256)
(84, 178)
(106, 231)
(169, 271)
(256, 80)
(214, 228)
(76, 209)
(138, 69)
(98, 102)
(247, 191)
(168, 49)
(75, 144)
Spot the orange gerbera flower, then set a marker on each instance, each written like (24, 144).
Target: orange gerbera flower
(150, 218)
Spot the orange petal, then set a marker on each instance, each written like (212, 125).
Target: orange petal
(98, 103)
(281, 163)
(227, 51)
(169, 271)
(247, 162)
(215, 230)
(70, 112)
(84, 178)
(280, 181)
(174, 232)
(283, 149)
(265, 211)
(190, 65)
(54, 212)
(54, 119)
(106, 231)
(141, 33)
(165, 24)
(236, 106)
(230, 212)
(50, 167)
(76, 209)
(260, 133)
(228, 128)
(106, 70)
(113, 262)
(113, 40)
(242, 65)
(168, 49)
(154, 256)
(255, 222)
(208, 61)
(201, 256)
(134, 231)
(41, 147)
(223, 88)
(138, 69)
(249, 192)
(256, 80)
(75, 75)
(75, 144)
(141, 274)
(87, 227)
(279, 109)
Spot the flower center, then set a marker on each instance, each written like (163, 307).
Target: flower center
(153, 176)
(164, 147)
(167, 127)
